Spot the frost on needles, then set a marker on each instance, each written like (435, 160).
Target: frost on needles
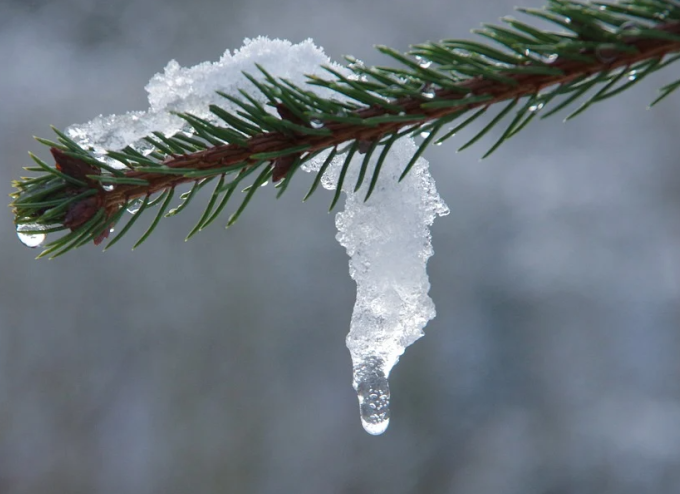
(386, 237)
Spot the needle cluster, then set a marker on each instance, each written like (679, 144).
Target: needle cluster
(435, 90)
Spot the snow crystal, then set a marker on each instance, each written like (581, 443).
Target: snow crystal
(388, 241)
(193, 89)
(387, 238)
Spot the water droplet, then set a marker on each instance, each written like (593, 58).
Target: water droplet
(438, 143)
(373, 392)
(134, 206)
(632, 75)
(423, 62)
(29, 235)
(607, 53)
(429, 93)
(425, 134)
(536, 107)
(316, 124)
(264, 183)
(108, 187)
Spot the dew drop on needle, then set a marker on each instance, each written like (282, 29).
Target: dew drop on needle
(134, 206)
(29, 234)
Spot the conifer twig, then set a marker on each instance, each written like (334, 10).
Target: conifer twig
(608, 46)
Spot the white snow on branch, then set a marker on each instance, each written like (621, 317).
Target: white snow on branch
(193, 90)
(387, 237)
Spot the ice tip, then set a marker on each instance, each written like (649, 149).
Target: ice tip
(373, 392)
(375, 428)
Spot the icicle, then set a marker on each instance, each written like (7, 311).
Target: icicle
(373, 390)
(388, 241)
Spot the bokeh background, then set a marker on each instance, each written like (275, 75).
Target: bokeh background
(218, 365)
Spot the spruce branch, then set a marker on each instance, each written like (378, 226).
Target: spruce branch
(603, 48)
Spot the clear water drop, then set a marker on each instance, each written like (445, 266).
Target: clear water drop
(28, 235)
(549, 57)
(423, 62)
(425, 134)
(632, 75)
(316, 124)
(429, 93)
(134, 206)
(265, 183)
(536, 107)
(108, 187)
(373, 392)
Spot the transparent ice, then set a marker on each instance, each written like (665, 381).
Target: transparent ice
(387, 238)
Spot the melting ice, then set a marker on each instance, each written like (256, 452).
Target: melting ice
(388, 241)
(387, 238)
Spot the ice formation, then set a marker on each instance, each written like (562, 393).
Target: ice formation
(387, 238)
(193, 89)
(388, 241)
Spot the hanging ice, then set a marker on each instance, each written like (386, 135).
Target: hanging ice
(388, 241)
(387, 238)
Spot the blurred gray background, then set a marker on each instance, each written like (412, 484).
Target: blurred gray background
(219, 365)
